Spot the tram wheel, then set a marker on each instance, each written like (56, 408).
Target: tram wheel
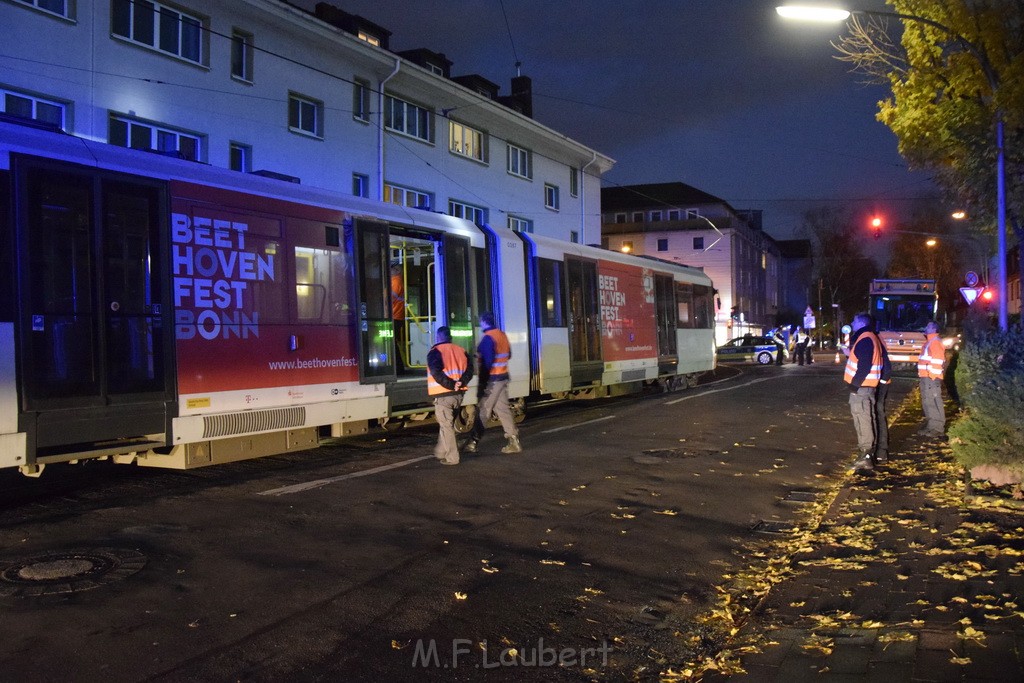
(464, 419)
(518, 409)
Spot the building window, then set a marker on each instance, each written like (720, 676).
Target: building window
(663, 244)
(241, 55)
(58, 7)
(655, 216)
(692, 213)
(127, 132)
(574, 236)
(698, 243)
(520, 224)
(434, 69)
(404, 196)
(241, 157)
(471, 213)
(638, 216)
(519, 162)
(361, 99)
(574, 182)
(305, 115)
(673, 215)
(620, 218)
(551, 196)
(369, 38)
(31, 107)
(360, 185)
(159, 27)
(626, 247)
(466, 141)
(409, 119)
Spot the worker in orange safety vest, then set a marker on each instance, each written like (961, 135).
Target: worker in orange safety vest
(931, 366)
(449, 372)
(863, 375)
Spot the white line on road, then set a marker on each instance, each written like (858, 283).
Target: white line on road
(715, 391)
(579, 424)
(317, 483)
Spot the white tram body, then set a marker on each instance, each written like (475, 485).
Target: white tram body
(172, 314)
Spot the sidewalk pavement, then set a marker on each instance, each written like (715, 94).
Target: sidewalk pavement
(898, 581)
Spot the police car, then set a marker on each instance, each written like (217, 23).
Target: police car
(748, 349)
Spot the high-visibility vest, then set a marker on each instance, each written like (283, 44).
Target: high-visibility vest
(397, 298)
(502, 352)
(932, 358)
(874, 375)
(454, 361)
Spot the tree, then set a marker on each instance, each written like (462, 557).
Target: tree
(945, 261)
(947, 87)
(840, 267)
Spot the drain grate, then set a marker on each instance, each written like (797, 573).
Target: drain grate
(800, 497)
(773, 528)
(68, 571)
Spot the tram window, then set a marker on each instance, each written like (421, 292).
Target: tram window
(268, 294)
(702, 316)
(6, 252)
(321, 295)
(482, 280)
(550, 293)
(684, 303)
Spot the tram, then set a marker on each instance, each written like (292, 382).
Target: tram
(166, 313)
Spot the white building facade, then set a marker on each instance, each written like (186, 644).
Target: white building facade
(676, 222)
(317, 98)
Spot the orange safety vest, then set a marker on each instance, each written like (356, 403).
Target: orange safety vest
(932, 358)
(454, 361)
(875, 373)
(397, 298)
(502, 352)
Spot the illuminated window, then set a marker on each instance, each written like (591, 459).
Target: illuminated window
(551, 196)
(31, 107)
(404, 196)
(626, 247)
(241, 157)
(321, 292)
(471, 213)
(519, 162)
(241, 55)
(369, 38)
(305, 115)
(409, 119)
(466, 141)
(127, 132)
(159, 27)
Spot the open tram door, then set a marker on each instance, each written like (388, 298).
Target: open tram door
(586, 365)
(94, 330)
(369, 240)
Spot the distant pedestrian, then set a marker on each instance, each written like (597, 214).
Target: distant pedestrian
(780, 346)
(493, 354)
(449, 371)
(931, 366)
(863, 373)
(802, 340)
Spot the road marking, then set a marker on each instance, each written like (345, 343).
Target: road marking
(580, 424)
(317, 483)
(715, 391)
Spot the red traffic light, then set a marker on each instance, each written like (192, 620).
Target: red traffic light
(987, 296)
(876, 227)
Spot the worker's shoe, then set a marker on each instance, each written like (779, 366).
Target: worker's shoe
(863, 465)
(881, 457)
(470, 446)
(512, 446)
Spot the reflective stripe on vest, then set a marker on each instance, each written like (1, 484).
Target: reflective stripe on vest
(932, 358)
(454, 361)
(875, 373)
(502, 352)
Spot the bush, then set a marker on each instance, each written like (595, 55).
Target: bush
(990, 382)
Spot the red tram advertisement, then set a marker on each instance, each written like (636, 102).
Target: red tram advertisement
(166, 313)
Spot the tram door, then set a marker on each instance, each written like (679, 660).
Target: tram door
(584, 322)
(458, 301)
(369, 244)
(95, 340)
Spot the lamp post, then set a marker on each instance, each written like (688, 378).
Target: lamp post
(837, 14)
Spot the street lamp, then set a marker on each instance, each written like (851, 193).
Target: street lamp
(838, 14)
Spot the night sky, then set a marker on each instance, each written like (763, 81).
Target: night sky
(721, 94)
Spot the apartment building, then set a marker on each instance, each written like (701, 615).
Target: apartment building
(679, 223)
(263, 86)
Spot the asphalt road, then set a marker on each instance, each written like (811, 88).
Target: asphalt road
(369, 561)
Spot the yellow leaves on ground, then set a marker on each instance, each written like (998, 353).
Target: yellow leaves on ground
(557, 563)
(460, 596)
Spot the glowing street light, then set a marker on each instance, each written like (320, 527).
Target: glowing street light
(822, 14)
(931, 242)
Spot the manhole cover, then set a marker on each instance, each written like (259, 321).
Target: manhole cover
(68, 571)
(800, 497)
(774, 528)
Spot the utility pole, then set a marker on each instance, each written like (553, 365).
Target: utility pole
(821, 321)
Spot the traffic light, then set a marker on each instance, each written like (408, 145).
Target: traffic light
(876, 227)
(987, 297)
